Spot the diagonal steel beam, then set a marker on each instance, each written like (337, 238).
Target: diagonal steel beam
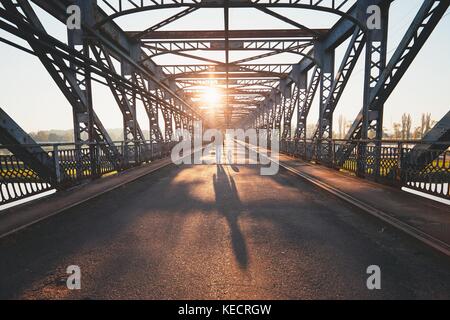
(25, 148)
(84, 119)
(287, 20)
(164, 23)
(415, 37)
(348, 64)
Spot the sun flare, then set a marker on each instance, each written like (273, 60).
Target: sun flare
(211, 96)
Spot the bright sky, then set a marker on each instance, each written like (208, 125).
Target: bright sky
(31, 97)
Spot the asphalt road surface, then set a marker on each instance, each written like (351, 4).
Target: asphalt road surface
(218, 232)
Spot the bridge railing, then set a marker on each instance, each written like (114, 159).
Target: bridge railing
(72, 164)
(396, 163)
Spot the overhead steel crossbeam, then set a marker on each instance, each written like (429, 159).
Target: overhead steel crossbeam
(232, 91)
(155, 48)
(120, 8)
(242, 82)
(193, 68)
(163, 23)
(230, 75)
(180, 47)
(302, 51)
(233, 100)
(233, 34)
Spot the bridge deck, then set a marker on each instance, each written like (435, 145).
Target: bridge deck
(425, 215)
(228, 233)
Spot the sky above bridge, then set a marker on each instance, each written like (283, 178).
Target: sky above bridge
(31, 97)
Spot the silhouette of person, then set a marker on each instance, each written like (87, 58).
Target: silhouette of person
(219, 148)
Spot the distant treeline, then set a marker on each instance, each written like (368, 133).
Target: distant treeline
(55, 136)
(400, 130)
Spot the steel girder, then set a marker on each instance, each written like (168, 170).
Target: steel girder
(151, 108)
(168, 116)
(155, 48)
(121, 47)
(290, 96)
(123, 7)
(24, 148)
(178, 122)
(377, 84)
(232, 34)
(279, 105)
(263, 92)
(163, 23)
(419, 31)
(340, 32)
(434, 143)
(348, 64)
(326, 65)
(64, 53)
(125, 99)
(71, 56)
(130, 125)
(304, 105)
(303, 50)
(74, 82)
(239, 83)
(232, 75)
(235, 72)
(168, 129)
(372, 120)
(197, 68)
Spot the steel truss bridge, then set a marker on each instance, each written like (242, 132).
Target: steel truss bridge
(254, 94)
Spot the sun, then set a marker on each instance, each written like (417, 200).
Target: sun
(211, 96)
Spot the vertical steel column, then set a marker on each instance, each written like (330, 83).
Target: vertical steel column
(151, 108)
(167, 114)
(178, 124)
(228, 110)
(124, 97)
(326, 62)
(303, 109)
(299, 97)
(185, 122)
(130, 124)
(375, 63)
(271, 117)
(168, 132)
(278, 109)
(289, 94)
(83, 118)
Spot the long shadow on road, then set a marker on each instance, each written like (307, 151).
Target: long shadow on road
(230, 206)
(307, 240)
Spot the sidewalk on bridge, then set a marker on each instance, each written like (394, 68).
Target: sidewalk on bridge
(21, 216)
(428, 216)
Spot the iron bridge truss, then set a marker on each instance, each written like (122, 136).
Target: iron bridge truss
(275, 95)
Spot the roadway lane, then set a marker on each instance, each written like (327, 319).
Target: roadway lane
(218, 232)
